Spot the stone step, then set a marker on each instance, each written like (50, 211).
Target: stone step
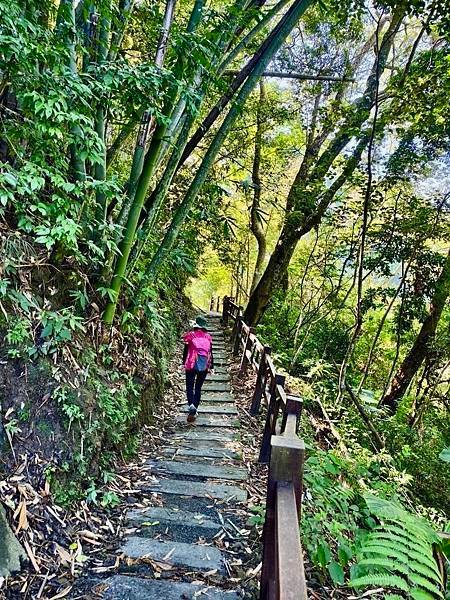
(197, 489)
(221, 370)
(205, 452)
(201, 470)
(178, 554)
(221, 363)
(122, 587)
(211, 421)
(225, 408)
(178, 525)
(216, 397)
(216, 386)
(218, 377)
(196, 443)
(192, 434)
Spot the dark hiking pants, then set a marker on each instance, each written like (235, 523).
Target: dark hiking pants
(194, 382)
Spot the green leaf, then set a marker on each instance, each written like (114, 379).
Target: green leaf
(9, 178)
(336, 572)
(47, 331)
(323, 554)
(385, 563)
(345, 554)
(423, 582)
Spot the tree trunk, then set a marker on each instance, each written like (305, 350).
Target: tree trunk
(294, 229)
(252, 33)
(422, 344)
(100, 117)
(256, 225)
(66, 23)
(147, 122)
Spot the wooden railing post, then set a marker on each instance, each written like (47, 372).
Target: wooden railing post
(288, 456)
(225, 310)
(271, 417)
(260, 381)
(269, 538)
(247, 346)
(237, 330)
(281, 537)
(218, 304)
(211, 304)
(294, 406)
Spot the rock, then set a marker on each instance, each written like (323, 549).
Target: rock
(217, 397)
(211, 420)
(11, 552)
(177, 525)
(216, 435)
(216, 386)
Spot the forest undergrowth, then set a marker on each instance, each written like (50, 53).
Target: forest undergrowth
(293, 156)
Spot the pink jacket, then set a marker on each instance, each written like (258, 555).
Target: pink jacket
(198, 341)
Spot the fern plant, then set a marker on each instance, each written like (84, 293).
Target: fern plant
(398, 554)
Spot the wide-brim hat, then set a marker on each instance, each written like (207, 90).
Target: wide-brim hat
(201, 322)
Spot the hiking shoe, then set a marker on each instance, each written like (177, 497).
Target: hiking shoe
(192, 413)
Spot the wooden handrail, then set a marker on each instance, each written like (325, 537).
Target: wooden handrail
(282, 574)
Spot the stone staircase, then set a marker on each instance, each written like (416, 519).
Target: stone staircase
(198, 481)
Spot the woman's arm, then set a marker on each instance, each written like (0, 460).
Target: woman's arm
(185, 352)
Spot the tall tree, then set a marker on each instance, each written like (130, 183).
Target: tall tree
(256, 222)
(423, 342)
(309, 196)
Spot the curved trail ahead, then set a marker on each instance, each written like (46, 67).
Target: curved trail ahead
(198, 480)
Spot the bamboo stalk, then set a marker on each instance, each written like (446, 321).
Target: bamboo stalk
(274, 43)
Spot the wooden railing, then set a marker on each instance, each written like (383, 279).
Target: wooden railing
(282, 574)
(215, 303)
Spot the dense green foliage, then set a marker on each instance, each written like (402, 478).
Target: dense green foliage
(139, 160)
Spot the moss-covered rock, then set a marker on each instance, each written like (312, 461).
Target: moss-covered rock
(12, 555)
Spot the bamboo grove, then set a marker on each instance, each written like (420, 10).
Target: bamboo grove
(292, 154)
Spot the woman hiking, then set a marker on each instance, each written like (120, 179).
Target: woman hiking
(198, 361)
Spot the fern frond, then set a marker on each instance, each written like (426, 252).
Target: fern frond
(408, 542)
(386, 549)
(426, 559)
(391, 512)
(385, 563)
(421, 595)
(385, 581)
(401, 545)
(423, 569)
(393, 597)
(406, 533)
(423, 582)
